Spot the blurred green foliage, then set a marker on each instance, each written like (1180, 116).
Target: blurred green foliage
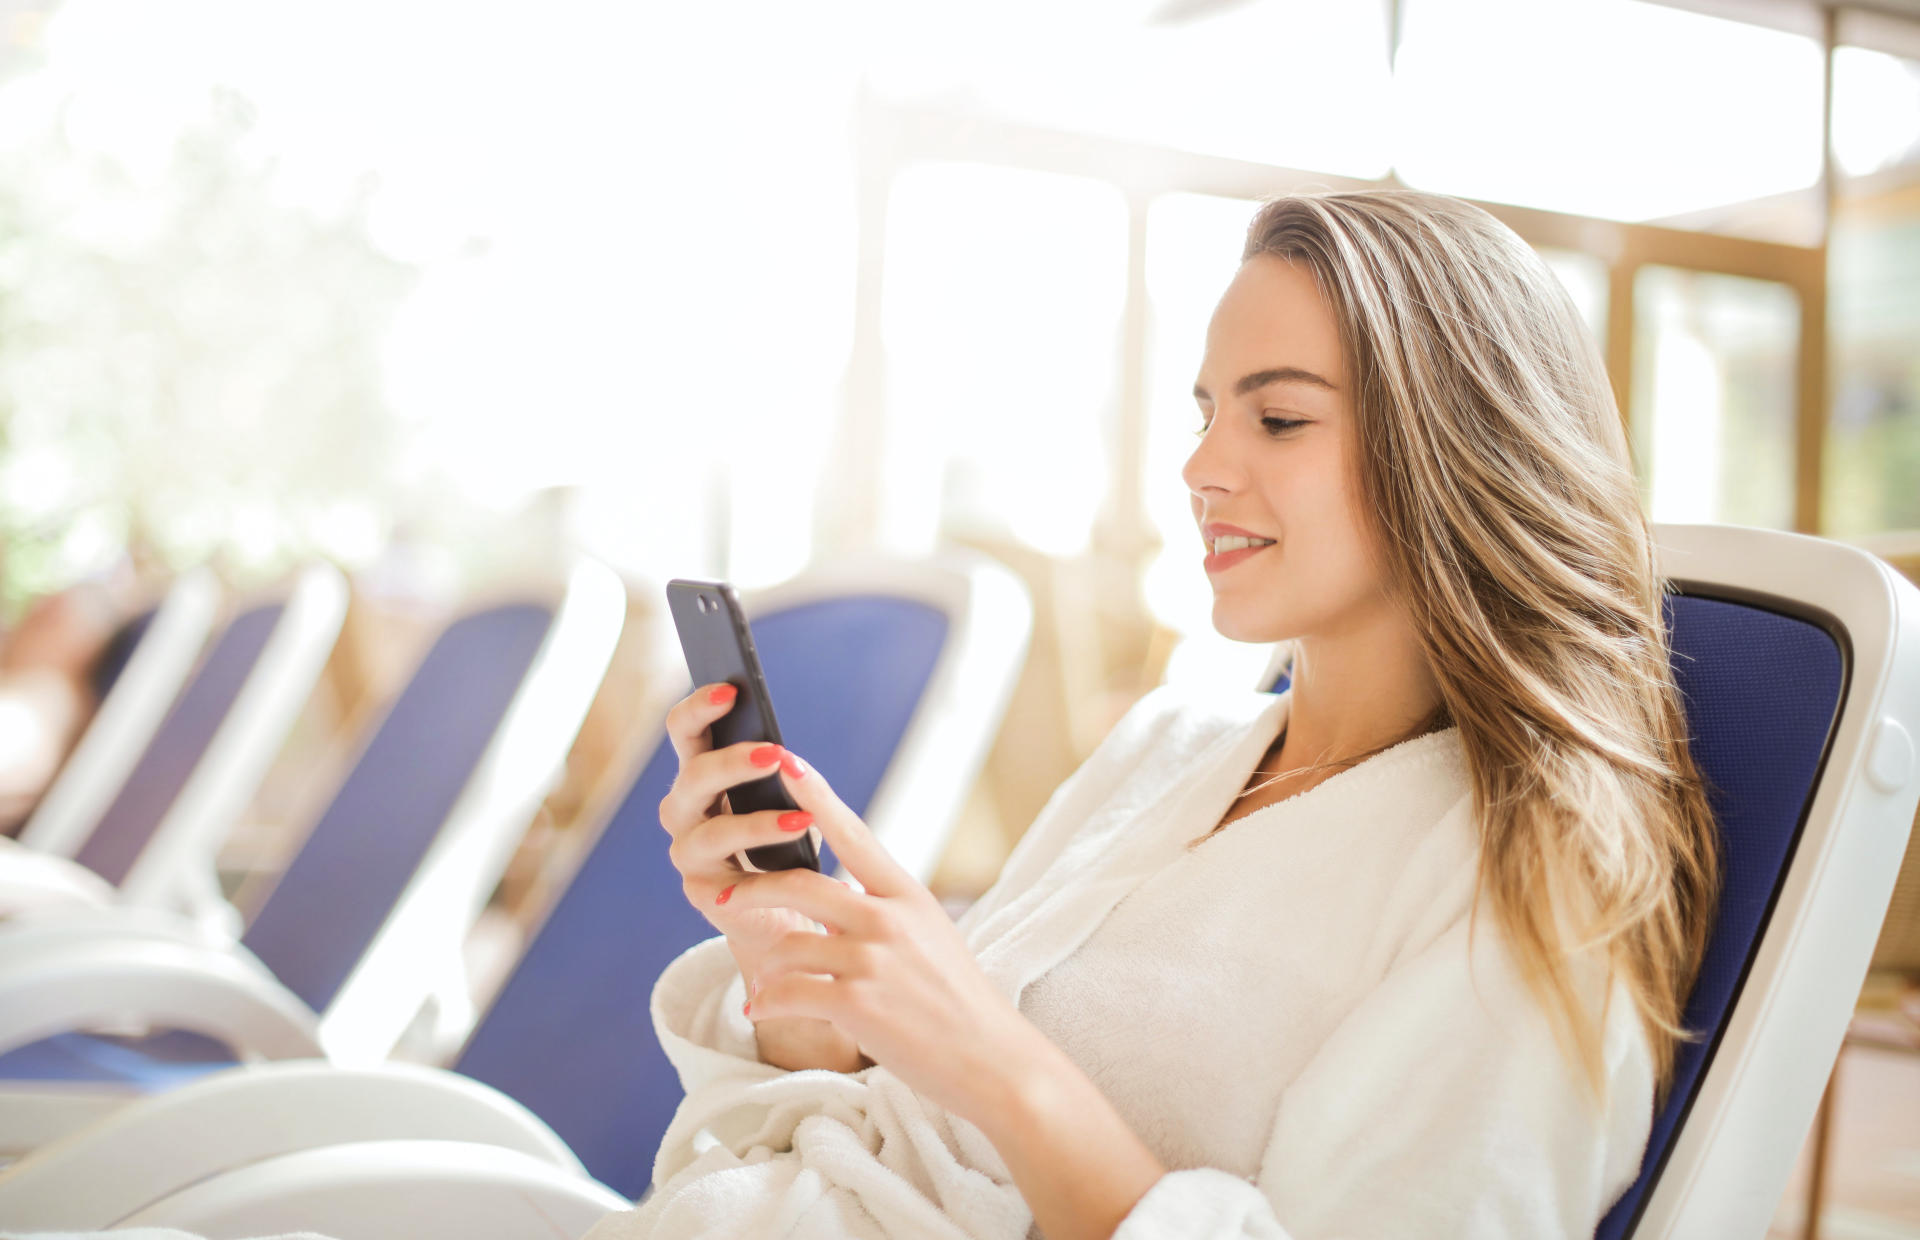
(190, 367)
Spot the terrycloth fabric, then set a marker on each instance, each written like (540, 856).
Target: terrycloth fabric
(1297, 1015)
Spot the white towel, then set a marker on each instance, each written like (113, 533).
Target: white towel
(1426, 1096)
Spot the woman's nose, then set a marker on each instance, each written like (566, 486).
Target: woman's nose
(1210, 467)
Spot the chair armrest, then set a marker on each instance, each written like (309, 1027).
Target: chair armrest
(43, 928)
(31, 881)
(391, 1190)
(35, 1114)
(95, 982)
(159, 1145)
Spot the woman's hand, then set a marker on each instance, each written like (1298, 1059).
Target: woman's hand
(705, 839)
(891, 971)
(891, 976)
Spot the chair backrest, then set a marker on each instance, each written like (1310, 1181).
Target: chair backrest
(177, 746)
(965, 612)
(207, 756)
(166, 644)
(1799, 661)
(871, 670)
(391, 875)
(176, 869)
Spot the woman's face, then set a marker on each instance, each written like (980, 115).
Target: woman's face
(1275, 462)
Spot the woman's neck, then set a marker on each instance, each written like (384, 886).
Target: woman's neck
(1356, 693)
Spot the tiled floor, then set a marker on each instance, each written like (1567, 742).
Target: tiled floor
(1873, 1172)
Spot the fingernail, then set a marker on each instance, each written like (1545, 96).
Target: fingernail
(724, 896)
(720, 695)
(746, 1009)
(793, 766)
(766, 755)
(797, 820)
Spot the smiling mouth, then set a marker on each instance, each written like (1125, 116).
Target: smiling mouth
(1234, 542)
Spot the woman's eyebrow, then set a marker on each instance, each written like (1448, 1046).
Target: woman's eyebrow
(1265, 378)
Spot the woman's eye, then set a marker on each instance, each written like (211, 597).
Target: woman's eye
(1273, 426)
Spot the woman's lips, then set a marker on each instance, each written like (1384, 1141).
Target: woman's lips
(1220, 561)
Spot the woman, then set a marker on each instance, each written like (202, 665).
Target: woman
(1401, 951)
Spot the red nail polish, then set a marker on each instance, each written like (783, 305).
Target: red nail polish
(746, 1009)
(796, 820)
(766, 755)
(793, 766)
(724, 896)
(720, 695)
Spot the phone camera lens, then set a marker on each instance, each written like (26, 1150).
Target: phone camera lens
(706, 604)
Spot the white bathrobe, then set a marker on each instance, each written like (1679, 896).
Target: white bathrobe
(1298, 1015)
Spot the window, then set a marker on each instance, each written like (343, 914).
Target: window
(1872, 458)
(1585, 279)
(1713, 403)
(1000, 320)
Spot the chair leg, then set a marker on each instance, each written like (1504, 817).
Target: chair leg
(1822, 1137)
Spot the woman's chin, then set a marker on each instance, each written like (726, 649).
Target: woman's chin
(1236, 626)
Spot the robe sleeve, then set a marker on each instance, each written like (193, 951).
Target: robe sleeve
(1442, 1107)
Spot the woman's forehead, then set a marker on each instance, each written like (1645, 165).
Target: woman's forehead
(1271, 316)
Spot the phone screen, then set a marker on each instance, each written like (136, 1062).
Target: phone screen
(718, 646)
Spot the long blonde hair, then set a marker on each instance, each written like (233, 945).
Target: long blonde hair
(1493, 458)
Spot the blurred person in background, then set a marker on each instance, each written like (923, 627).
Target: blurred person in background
(1401, 950)
(48, 689)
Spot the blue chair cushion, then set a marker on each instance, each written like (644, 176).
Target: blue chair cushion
(344, 882)
(177, 746)
(1763, 682)
(147, 1065)
(569, 1034)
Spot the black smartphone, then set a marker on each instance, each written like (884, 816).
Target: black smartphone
(719, 648)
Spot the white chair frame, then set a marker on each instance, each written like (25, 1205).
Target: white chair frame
(1735, 1149)
(227, 1121)
(125, 721)
(392, 1190)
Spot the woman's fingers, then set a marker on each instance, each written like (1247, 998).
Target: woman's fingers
(692, 715)
(706, 775)
(707, 848)
(850, 838)
(798, 996)
(804, 951)
(814, 896)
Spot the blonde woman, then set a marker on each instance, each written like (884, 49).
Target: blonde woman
(1398, 952)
